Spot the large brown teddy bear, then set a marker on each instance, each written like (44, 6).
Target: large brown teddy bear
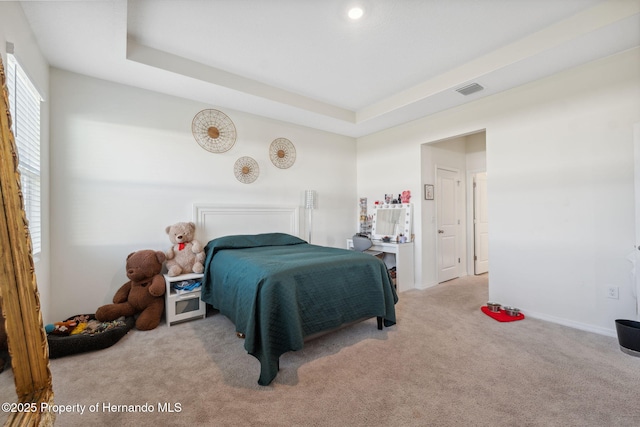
(187, 254)
(143, 293)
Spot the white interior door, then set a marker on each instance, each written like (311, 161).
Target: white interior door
(447, 222)
(480, 224)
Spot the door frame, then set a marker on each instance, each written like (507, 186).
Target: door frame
(471, 239)
(469, 226)
(636, 163)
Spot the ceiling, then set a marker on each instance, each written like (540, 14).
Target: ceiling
(306, 62)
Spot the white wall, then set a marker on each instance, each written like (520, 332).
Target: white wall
(125, 165)
(560, 178)
(559, 157)
(15, 29)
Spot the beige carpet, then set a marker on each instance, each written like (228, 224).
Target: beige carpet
(444, 364)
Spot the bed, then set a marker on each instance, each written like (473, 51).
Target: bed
(278, 290)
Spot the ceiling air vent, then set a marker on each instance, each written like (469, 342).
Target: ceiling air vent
(469, 89)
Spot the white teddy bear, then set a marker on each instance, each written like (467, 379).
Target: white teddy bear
(187, 254)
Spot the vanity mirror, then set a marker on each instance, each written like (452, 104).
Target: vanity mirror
(27, 341)
(391, 220)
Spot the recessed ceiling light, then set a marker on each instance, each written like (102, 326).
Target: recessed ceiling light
(355, 13)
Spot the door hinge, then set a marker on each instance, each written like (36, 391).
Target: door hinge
(475, 257)
(458, 260)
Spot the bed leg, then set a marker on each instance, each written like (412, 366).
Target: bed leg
(379, 319)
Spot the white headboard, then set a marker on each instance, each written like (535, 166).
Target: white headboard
(219, 220)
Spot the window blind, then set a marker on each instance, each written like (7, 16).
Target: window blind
(24, 103)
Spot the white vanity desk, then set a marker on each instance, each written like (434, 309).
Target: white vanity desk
(393, 220)
(399, 255)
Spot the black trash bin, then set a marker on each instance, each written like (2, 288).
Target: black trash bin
(629, 336)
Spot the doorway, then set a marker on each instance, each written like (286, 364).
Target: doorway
(445, 257)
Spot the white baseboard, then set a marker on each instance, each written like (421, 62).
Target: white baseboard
(572, 324)
(548, 318)
(423, 286)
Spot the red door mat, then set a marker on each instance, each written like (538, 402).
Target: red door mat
(501, 316)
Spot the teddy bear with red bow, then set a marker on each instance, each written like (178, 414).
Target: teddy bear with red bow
(187, 254)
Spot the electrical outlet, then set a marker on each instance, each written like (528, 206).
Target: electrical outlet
(612, 292)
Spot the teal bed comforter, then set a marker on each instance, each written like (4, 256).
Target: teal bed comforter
(278, 289)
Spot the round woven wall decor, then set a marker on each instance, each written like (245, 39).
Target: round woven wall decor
(246, 170)
(282, 153)
(214, 131)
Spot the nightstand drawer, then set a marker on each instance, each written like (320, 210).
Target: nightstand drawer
(185, 306)
(180, 306)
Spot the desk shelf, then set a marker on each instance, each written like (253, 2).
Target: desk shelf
(399, 255)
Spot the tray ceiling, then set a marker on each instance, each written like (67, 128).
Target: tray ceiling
(306, 62)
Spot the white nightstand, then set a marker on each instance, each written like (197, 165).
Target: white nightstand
(183, 306)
